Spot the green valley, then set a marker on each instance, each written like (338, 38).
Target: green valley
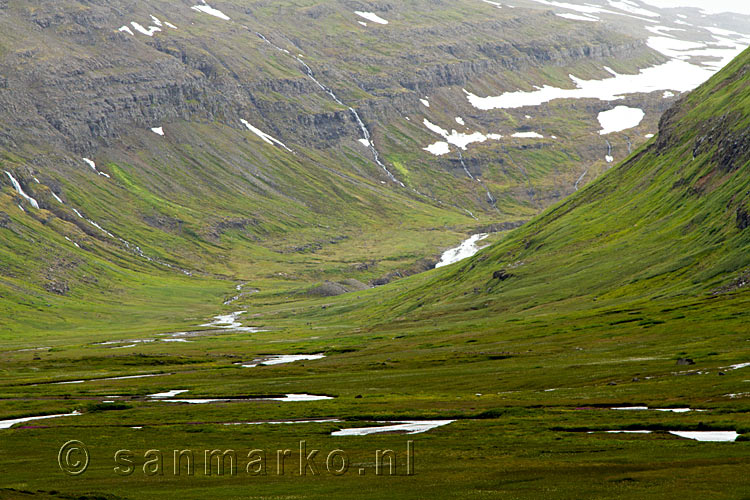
(233, 241)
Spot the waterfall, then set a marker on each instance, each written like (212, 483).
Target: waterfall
(366, 136)
(20, 191)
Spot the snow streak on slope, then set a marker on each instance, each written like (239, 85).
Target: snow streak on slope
(267, 138)
(128, 246)
(91, 164)
(578, 181)
(207, 9)
(148, 32)
(279, 359)
(491, 199)
(370, 16)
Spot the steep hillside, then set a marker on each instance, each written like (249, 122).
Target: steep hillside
(668, 224)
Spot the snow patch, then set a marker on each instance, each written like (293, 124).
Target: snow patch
(675, 75)
(168, 394)
(287, 398)
(528, 135)
(407, 427)
(619, 119)
(7, 424)
(723, 32)
(282, 359)
(158, 130)
(439, 148)
(663, 30)
(300, 397)
(148, 32)
(127, 30)
(738, 366)
(458, 139)
(708, 436)
(91, 164)
(646, 408)
(370, 16)
(463, 251)
(624, 9)
(207, 9)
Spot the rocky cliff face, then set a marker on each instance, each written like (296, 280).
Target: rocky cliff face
(75, 82)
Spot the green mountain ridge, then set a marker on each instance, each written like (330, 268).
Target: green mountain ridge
(669, 222)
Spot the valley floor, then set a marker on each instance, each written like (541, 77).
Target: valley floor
(530, 404)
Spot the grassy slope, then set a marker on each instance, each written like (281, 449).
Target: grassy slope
(663, 225)
(615, 285)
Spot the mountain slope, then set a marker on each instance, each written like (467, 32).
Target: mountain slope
(258, 165)
(288, 131)
(670, 221)
(629, 295)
